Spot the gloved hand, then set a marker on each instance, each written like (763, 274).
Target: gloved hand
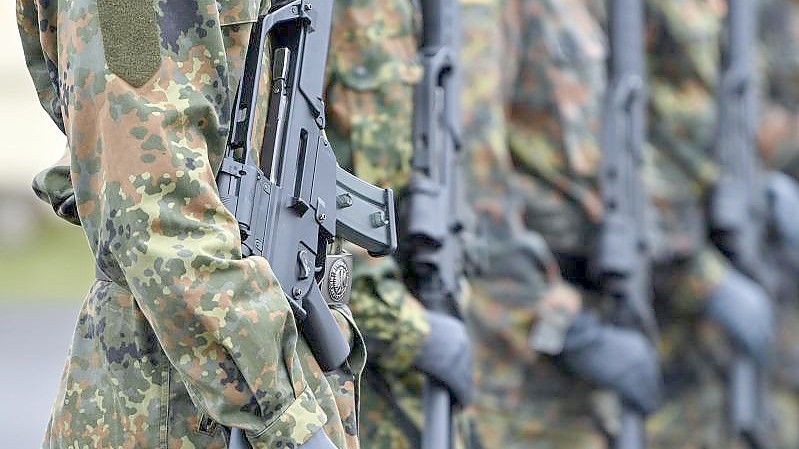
(447, 356)
(783, 194)
(742, 308)
(618, 359)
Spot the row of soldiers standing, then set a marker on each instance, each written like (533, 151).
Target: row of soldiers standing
(535, 77)
(550, 365)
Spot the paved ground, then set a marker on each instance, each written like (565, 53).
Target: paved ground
(35, 339)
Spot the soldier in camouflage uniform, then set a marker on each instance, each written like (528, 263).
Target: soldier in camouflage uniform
(180, 336)
(778, 140)
(373, 70)
(705, 307)
(528, 323)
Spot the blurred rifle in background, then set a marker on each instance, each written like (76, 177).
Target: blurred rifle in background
(624, 261)
(436, 202)
(738, 209)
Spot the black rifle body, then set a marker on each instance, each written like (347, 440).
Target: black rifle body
(739, 207)
(287, 192)
(435, 195)
(624, 261)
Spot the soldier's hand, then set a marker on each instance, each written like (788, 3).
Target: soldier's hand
(783, 194)
(618, 359)
(447, 356)
(744, 311)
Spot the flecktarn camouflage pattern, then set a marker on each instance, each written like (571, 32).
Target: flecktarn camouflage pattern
(554, 105)
(524, 400)
(372, 70)
(180, 336)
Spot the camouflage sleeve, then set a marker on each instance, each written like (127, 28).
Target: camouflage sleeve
(40, 55)
(513, 308)
(372, 71)
(555, 98)
(682, 104)
(146, 100)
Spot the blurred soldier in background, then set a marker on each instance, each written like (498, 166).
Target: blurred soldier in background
(778, 140)
(707, 309)
(179, 336)
(531, 329)
(779, 124)
(373, 70)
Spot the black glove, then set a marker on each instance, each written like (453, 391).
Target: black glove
(447, 356)
(618, 359)
(742, 308)
(784, 207)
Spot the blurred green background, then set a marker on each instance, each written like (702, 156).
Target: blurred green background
(41, 259)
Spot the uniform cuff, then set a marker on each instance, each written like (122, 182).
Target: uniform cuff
(296, 425)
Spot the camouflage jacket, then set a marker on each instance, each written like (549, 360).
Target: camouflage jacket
(684, 58)
(517, 305)
(554, 102)
(184, 335)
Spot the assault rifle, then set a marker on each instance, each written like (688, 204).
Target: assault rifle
(435, 221)
(738, 208)
(624, 260)
(287, 192)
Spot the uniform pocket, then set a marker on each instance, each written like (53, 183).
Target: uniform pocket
(373, 43)
(130, 39)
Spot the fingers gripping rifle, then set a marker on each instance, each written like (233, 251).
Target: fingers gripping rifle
(294, 199)
(623, 253)
(738, 210)
(435, 197)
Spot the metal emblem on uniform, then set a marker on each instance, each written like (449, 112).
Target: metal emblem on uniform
(337, 283)
(338, 280)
